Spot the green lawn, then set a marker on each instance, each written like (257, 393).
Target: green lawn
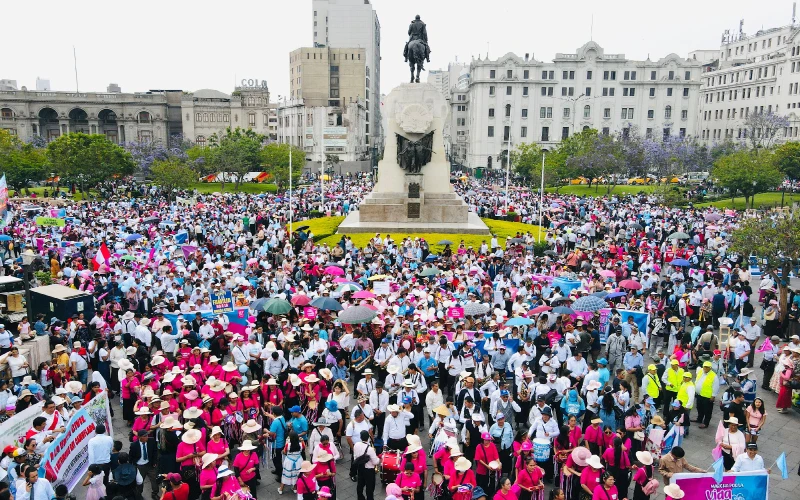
(324, 230)
(40, 192)
(245, 187)
(763, 200)
(600, 190)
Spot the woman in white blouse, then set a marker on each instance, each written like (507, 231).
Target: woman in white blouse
(17, 364)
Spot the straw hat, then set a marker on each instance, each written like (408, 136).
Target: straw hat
(163, 406)
(732, 420)
(144, 411)
(125, 364)
(456, 452)
(251, 426)
(442, 410)
(74, 386)
(413, 439)
(644, 457)
(674, 491)
(413, 448)
(191, 436)
(229, 367)
(451, 443)
(580, 455)
(312, 379)
(306, 466)
(224, 471)
(326, 374)
(215, 430)
(170, 423)
(294, 380)
(462, 464)
(59, 348)
(324, 456)
(272, 382)
(594, 462)
(157, 360)
(187, 380)
(192, 413)
(657, 420)
(246, 445)
(209, 458)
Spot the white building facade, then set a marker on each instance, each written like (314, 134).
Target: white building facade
(207, 112)
(513, 100)
(754, 74)
(354, 23)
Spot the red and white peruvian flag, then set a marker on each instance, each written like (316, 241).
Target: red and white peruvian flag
(102, 258)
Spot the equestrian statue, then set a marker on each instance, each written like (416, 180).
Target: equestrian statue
(417, 50)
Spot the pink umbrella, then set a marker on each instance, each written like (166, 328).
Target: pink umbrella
(341, 280)
(300, 300)
(630, 284)
(369, 306)
(539, 309)
(607, 273)
(335, 271)
(363, 294)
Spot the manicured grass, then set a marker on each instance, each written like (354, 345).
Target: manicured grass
(763, 200)
(600, 190)
(41, 189)
(245, 187)
(324, 230)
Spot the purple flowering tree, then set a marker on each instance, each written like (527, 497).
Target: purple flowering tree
(761, 129)
(145, 153)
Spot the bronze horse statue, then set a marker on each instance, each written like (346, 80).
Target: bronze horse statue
(416, 57)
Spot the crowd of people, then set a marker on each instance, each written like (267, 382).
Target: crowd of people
(530, 389)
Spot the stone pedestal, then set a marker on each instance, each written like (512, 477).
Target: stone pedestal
(414, 202)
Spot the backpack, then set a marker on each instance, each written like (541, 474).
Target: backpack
(359, 464)
(651, 486)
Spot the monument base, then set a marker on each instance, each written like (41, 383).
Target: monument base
(353, 224)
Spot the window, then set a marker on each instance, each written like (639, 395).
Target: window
(682, 132)
(551, 75)
(687, 76)
(251, 119)
(506, 133)
(571, 75)
(629, 75)
(549, 112)
(666, 133)
(564, 133)
(544, 75)
(587, 111)
(491, 131)
(669, 92)
(545, 133)
(606, 113)
(628, 91)
(524, 112)
(461, 122)
(651, 114)
(526, 74)
(205, 117)
(542, 112)
(566, 112)
(550, 91)
(226, 117)
(685, 114)
(563, 91)
(200, 141)
(668, 112)
(509, 73)
(606, 75)
(213, 117)
(491, 73)
(508, 110)
(334, 69)
(144, 117)
(508, 90)
(565, 75)
(523, 132)
(491, 89)
(588, 92)
(198, 117)
(605, 130)
(589, 74)
(671, 75)
(461, 107)
(648, 133)
(608, 91)
(544, 91)
(491, 112)
(652, 91)
(524, 91)
(652, 75)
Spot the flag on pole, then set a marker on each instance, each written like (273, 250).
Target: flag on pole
(102, 258)
(719, 470)
(182, 237)
(782, 466)
(766, 346)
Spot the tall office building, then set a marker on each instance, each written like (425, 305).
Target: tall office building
(354, 24)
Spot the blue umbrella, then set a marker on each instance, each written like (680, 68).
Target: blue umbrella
(563, 310)
(518, 321)
(681, 262)
(602, 294)
(5, 237)
(614, 295)
(589, 303)
(326, 304)
(133, 237)
(431, 257)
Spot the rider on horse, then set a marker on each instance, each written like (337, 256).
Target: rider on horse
(417, 31)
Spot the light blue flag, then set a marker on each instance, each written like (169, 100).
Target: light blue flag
(719, 470)
(181, 237)
(782, 466)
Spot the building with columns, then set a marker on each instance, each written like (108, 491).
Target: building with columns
(206, 112)
(121, 117)
(518, 99)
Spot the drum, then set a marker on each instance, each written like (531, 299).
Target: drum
(436, 487)
(390, 465)
(541, 450)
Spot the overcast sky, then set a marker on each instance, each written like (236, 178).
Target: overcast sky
(181, 44)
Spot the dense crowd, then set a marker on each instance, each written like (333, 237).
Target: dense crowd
(514, 380)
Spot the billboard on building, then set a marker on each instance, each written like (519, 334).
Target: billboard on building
(334, 137)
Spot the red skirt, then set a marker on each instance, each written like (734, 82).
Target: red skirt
(784, 398)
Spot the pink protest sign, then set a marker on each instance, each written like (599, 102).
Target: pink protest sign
(310, 313)
(455, 312)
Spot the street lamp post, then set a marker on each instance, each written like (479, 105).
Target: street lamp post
(27, 259)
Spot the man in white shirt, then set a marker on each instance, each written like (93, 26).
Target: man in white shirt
(544, 427)
(366, 384)
(752, 332)
(749, 461)
(577, 368)
(394, 428)
(354, 429)
(35, 488)
(379, 402)
(100, 447)
(433, 399)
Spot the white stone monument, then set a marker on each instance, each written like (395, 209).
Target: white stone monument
(413, 192)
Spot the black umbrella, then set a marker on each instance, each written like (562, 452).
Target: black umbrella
(151, 220)
(301, 228)
(516, 240)
(550, 253)
(560, 299)
(636, 225)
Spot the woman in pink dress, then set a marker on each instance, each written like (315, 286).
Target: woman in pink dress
(142, 422)
(218, 446)
(246, 465)
(226, 485)
(505, 493)
(461, 479)
(785, 391)
(410, 482)
(529, 485)
(606, 490)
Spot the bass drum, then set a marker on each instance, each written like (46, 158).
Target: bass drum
(390, 465)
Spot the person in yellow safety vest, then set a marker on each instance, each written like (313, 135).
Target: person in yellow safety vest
(652, 384)
(686, 397)
(706, 388)
(672, 378)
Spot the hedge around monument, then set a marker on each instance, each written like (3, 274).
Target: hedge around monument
(324, 231)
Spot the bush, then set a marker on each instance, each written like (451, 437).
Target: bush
(314, 214)
(43, 277)
(512, 217)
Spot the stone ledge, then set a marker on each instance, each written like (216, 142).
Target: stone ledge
(353, 224)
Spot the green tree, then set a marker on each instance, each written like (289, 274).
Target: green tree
(746, 173)
(777, 240)
(786, 158)
(172, 174)
(562, 171)
(333, 161)
(88, 160)
(201, 159)
(21, 163)
(237, 153)
(275, 158)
